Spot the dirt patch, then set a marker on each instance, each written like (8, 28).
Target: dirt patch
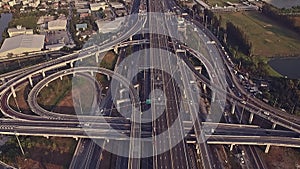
(66, 105)
(21, 93)
(40, 152)
(281, 157)
(31, 164)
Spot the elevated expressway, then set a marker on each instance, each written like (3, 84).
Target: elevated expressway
(54, 124)
(231, 134)
(58, 75)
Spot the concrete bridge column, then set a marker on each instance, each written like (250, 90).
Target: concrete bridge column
(46, 136)
(13, 91)
(97, 57)
(231, 147)
(197, 148)
(143, 33)
(251, 118)
(116, 49)
(3, 80)
(60, 77)
(130, 38)
(233, 108)
(267, 148)
(30, 81)
(46, 84)
(213, 96)
(108, 77)
(74, 74)
(76, 138)
(72, 64)
(137, 86)
(204, 88)
(273, 125)
(92, 73)
(200, 69)
(44, 74)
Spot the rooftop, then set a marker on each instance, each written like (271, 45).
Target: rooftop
(23, 41)
(57, 23)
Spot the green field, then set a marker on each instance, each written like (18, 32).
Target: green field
(221, 2)
(26, 21)
(267, 37)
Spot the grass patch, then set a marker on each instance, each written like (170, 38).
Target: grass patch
(268, 38)
(26, 21)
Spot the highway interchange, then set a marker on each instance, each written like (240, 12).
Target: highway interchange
(172, 151)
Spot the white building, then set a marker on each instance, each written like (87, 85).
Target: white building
(98, 6)
(22, 44)
(109, 26)
(56, 25)
(19, 30)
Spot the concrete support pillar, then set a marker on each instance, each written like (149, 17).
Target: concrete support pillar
(273, 125)
(44, 74)
(143, 34)
(92, 73)
(200, 70)
(251, 118)
(116, 49)
(76, 138)
(108, 77)
(13, 91)
(233, 108)
(60, 77)
(213, 96)
(30, 81)
(72, 64)
(46, 136)
(204, 88)
(3, 80)
(137, 87)
(197, 148)
(130, 38)
(97, 57)
(74, 74)
(231, 147)
(46, 84)
(267, 148)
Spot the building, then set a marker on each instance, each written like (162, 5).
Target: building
(19, 30)
(82, 26)
(83, 10)
(98, 6)
(109, 26)
(84, 15)
(57, 25)
(22, 44)
(117, 5)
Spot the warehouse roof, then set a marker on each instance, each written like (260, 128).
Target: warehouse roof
(23, 41)
(57, 23)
